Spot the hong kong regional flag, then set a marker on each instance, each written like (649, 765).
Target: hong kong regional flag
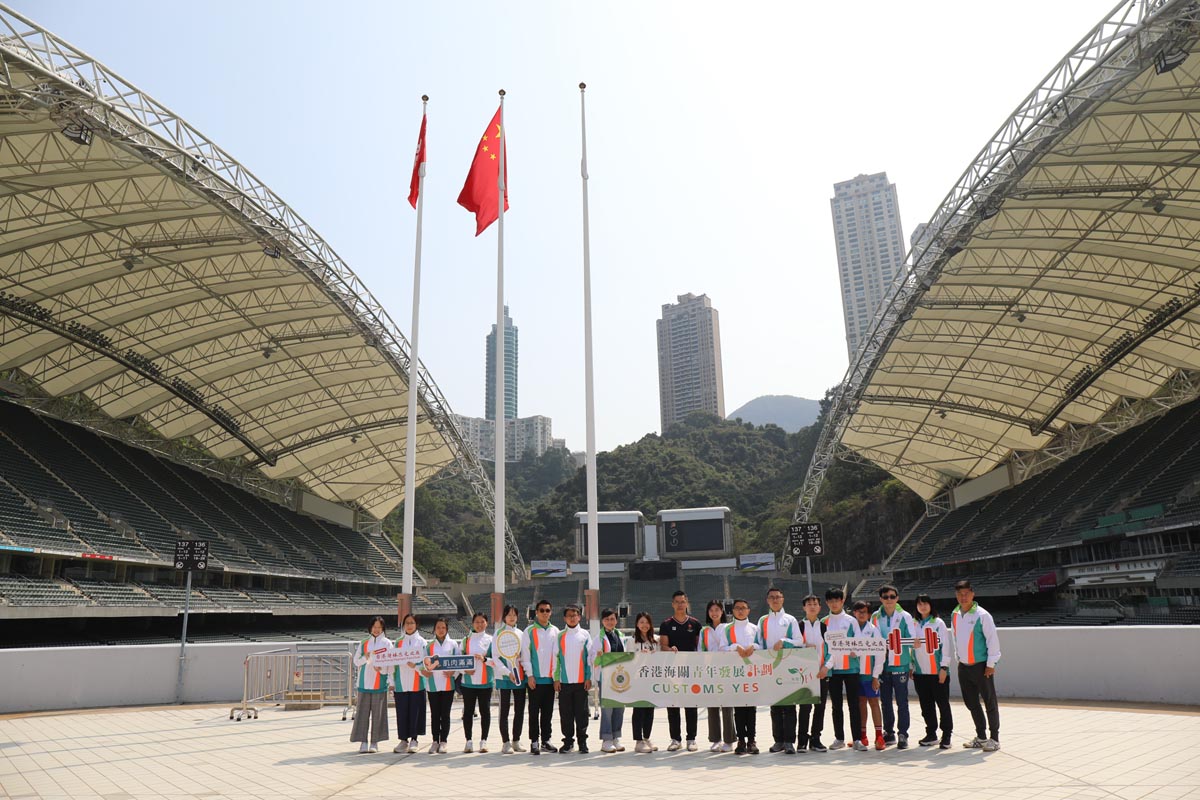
(480, 194)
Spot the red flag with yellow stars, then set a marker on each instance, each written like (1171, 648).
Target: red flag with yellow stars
(480, 194)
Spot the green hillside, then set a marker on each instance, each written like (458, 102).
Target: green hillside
(704, 461)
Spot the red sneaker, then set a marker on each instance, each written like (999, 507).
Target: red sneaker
(879, 742)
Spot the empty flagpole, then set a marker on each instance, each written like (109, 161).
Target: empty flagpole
(501, 341)
(414, 366)
(593, 535)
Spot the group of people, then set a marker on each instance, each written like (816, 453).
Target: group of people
(553, 662)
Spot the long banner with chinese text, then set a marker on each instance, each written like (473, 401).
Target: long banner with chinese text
(665, 680)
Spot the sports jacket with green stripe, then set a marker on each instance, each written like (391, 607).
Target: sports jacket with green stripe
(899, 620)
(369, 678)
(975, 637)
(573, 655)
(537, 652)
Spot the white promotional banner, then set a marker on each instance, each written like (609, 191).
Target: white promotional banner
(395, 656)
(665, 680)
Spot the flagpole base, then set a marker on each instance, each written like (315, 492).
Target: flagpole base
(403, 609)
(498, 608)
(591, 604)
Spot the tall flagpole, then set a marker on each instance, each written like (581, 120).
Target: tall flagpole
(593, 522)
(414, 365)
(501, 341)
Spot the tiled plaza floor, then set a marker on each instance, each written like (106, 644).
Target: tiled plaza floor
(195, 751)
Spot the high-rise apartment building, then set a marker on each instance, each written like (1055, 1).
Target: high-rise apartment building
(510, 371)
(689, 360)
(521, 436)
(870, 249)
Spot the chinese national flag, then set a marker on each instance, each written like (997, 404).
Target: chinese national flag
(481, 191)
(414, 188)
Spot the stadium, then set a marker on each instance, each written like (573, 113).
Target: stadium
(182, 358)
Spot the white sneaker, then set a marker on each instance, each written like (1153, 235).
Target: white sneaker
(470, 748)
(860, 746)
(990, 746)
(975, 743)
(483, 746)
(715, 747)
(374, 747)
(364, 747)
(606, 746)
(726, 747)
(642, 746)
(506, 749)
(433, 748)
(618, 746)
(401, 748)
(442, 748)
(518, 747)
(674, 745)
(837, 744)
(412, 746)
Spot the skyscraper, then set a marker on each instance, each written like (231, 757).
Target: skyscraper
(689, 360)
(510, 371)
(870, 249)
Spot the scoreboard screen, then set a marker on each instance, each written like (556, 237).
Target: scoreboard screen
(615, 538)
(693, 535)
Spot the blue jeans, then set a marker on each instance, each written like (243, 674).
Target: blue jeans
(894, 683)
(610, 723)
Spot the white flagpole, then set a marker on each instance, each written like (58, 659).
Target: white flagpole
(593, 522)
(501, 341)
(410, 457)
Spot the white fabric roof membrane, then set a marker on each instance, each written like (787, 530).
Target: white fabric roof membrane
(1061, 278)
(144, 269)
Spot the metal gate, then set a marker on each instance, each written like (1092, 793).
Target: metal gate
(303, 676)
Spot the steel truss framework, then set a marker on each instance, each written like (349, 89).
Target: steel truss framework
(1052, 301)
(148, 272)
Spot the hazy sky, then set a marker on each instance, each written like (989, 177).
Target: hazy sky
(715, 134)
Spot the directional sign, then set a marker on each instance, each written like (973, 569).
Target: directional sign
(805, 539)
(190, 555)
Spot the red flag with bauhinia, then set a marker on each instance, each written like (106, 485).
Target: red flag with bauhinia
(414, 188)
(481, 192)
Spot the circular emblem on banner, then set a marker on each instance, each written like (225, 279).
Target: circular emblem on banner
(620, 680)
(508, 644)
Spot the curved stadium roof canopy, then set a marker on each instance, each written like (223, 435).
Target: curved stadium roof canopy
(1052, 301)
(152, 278)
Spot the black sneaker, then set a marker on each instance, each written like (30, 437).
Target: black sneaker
(815, 746)
(741, 748)
(778, 747)
(945, 743)
(789, 749)
(583, 750)
(567, 747)
(752, 747)
(548, 748)
(889, 738)
(929, 741)
(535, 749)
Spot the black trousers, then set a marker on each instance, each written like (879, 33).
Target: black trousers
(517, 698)
(410, 714)
(471, 697)
(643, 723)
(573, 713)
(935, 699)
(745, 723)
(817, 712)
(439, 714)
(976, 687)
(541, 712)
(849, 683)
(783, 724)
(692, 717)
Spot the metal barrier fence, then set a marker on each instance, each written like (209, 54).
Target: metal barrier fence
(301, 676)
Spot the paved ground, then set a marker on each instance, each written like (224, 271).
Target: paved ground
(1048, 752)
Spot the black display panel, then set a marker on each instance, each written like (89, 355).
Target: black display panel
(615, 538)
(694, 535)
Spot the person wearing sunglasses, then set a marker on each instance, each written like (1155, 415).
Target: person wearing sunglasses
(537, 659)
(893, 683)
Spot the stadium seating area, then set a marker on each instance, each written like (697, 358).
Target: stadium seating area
(1145, 477)
(66, 490)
